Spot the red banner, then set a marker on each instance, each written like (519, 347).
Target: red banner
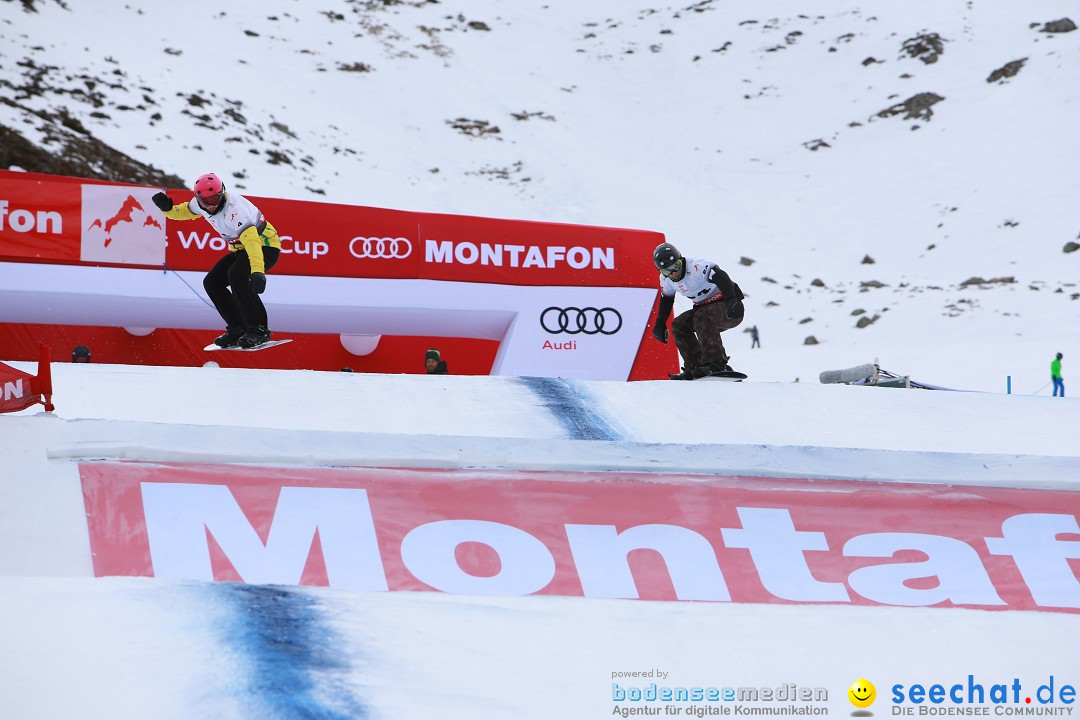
(316, 239)
(345, 241)
(20, 390)
(39, 220)
(514, 252)
(561, 300)
(608, 535)
(48, 219)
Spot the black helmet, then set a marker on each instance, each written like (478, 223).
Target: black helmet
(81, 353)
(667, 259)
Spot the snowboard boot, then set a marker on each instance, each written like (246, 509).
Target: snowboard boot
(716, 370)
(254, 337)
(686, 374)
(708, 369)
(230, 338)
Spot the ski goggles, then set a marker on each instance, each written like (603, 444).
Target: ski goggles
(675, 269)
(212, 202)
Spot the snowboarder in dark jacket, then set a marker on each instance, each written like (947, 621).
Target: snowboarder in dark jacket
(718, 306)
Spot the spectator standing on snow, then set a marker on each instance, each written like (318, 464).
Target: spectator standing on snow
(754, 341)
(237, 280)
(1055, 376)
(718, 306)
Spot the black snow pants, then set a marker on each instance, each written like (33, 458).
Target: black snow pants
(241, 308)
(697, 334)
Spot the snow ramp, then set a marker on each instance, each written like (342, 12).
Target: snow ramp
(218, 542)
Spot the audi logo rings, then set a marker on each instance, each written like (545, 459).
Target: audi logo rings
(385, 248)
(584, 321)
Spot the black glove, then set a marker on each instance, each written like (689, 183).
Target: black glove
(735, 309)
(258, 283)
(660, 332)
(163, 201)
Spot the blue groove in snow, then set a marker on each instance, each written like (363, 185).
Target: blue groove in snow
(574, 408)
(297, 664)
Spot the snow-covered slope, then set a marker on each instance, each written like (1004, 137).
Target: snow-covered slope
(749, 414)
(123, 648)
(699, 121)
(141, 647)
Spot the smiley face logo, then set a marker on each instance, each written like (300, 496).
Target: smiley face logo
(862, 693)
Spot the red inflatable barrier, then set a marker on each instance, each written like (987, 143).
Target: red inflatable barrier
(19, 390)
(558, 300)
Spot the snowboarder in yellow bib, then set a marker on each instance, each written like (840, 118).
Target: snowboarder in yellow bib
(237, 280)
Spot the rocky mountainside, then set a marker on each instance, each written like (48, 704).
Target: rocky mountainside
(63, 147)
(868, 173)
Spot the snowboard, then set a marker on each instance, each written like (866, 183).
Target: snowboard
(728, 375)
(212, 347)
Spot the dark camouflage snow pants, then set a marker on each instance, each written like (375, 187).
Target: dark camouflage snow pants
(697, 334)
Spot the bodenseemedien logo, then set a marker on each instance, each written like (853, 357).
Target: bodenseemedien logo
(700, 701)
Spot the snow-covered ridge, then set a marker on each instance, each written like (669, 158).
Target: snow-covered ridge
(708, 122)
(751, 413)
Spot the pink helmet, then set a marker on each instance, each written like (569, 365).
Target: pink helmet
(210, 191)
